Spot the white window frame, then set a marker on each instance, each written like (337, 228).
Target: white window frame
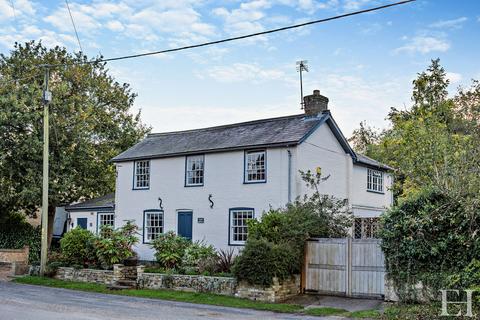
(141, 174)
(151, 232)
(101, 221)
(238, 229)
(252, 168)
(374, 180)
(194, 170)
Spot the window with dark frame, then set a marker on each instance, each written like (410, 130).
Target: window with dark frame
(374, 180)
(365, 228)
(153, 225)
(142, 174)
(194, 175)
(239, 225)
(255, 166)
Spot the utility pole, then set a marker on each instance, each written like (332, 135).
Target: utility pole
(302, 66)
(46, 98)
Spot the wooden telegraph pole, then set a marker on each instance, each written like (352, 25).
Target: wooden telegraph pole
(46, 98)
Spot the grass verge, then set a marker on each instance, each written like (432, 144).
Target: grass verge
(394, 312)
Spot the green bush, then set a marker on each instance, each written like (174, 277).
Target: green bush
(277, 240)
(199, 258)
(114, 246)
(261, 260)
(427, 238)
(16, 232)
(170, 249)
(77, 247)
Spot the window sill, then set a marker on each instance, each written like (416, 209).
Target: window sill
(237, 244)
(135, 189)
(255, 182)
(377, 192)
(193, 185)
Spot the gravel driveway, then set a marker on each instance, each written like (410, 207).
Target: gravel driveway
(25, 302)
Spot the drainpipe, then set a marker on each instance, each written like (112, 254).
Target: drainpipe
(289, 176)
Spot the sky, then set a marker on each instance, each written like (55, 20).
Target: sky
(364, 64)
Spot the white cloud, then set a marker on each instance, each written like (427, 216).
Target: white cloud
(424, 44)
(241, 72)
(20, 10)
(115, 25)
(85, 21)
(454, 77)
(450, 24)
(48, 37)
(356, 4)
(245, 19)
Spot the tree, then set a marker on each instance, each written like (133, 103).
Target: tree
(431, 144)
(91, 122)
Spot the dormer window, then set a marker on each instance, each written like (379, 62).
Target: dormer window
(255, 167)
(374, 180)
(194, 173)
(141, 174)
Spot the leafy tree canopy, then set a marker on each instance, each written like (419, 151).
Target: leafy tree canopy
(91, 121)
(432, 144)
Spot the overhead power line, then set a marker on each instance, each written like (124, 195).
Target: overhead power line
(73, 23)
(251, 35)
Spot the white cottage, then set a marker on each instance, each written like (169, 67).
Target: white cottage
(205, 184)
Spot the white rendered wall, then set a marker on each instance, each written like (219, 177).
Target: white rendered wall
(223, 179)
(322, 149)
(366, 203)
(224, 174)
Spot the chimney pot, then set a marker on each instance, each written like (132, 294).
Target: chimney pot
(315, 104)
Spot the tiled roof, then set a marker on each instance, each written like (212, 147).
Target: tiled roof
(371, 162)
(106, 201)
(260, 133)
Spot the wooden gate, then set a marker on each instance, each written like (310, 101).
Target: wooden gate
(345, 266)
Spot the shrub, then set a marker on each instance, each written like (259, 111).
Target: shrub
(16, 232)
(199, 258)
(427, 238)
(77, 247)
(169, 250)
(280, 235)
(261, 260)
(226, 258)
(114, 246)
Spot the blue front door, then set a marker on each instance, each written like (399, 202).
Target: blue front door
(185, 224)
(82, 223)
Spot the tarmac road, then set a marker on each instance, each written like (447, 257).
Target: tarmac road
(27, 302)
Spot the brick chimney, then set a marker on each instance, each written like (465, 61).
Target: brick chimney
(315, 103)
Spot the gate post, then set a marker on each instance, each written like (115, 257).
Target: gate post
(303, 283)
(349, 267)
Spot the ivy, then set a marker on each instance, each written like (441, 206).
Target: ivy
(15, 233)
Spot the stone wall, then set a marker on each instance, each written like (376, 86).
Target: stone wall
(217, 285)
(86, 275)
(278, 291)
(121, 272)
(227, 286)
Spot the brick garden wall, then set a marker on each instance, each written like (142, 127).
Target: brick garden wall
(14, 255)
